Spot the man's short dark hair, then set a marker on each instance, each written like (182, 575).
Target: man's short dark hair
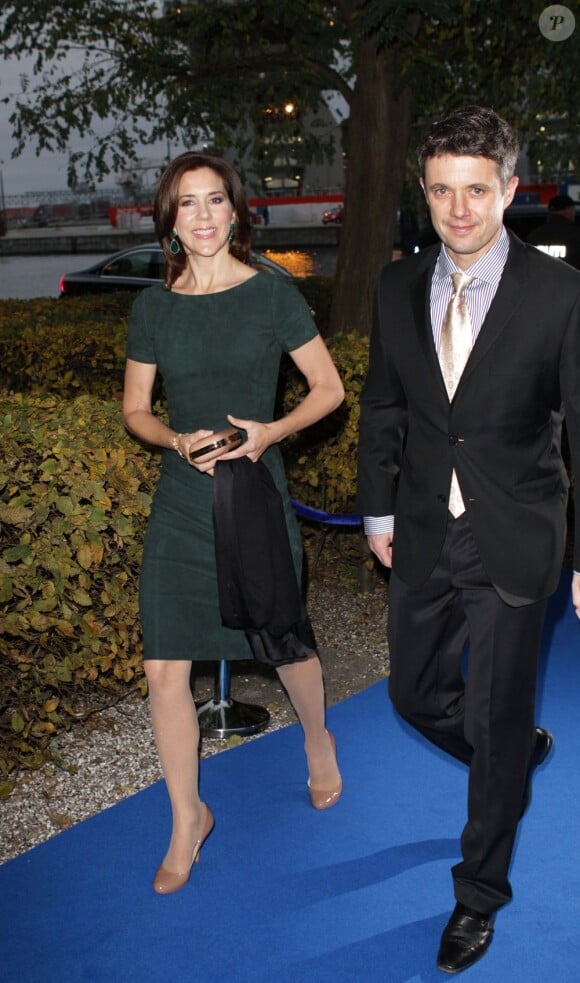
(473, 131)
(560, 203)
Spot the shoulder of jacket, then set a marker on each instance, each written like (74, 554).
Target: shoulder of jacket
(543, 265)
(401, 271)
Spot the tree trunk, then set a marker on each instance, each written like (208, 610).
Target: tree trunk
(378, 140)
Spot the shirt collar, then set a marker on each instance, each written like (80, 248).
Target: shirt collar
(489, 267)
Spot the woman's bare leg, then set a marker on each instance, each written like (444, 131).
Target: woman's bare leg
(304, 684)
(177, 737)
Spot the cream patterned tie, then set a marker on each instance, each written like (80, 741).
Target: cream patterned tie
(456, 344)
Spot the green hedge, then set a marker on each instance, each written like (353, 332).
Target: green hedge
(64, 346)
(321, 461)
(75, 493)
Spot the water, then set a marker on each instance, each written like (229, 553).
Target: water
(306, 262)
(24, 277)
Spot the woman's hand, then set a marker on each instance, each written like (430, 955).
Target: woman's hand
(186, 441)
(259, 438)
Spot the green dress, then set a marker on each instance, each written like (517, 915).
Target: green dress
(217, 353)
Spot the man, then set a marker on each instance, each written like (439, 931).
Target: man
(463, 489)
(559, 236)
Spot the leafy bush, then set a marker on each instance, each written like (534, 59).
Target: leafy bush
(66, 347)
(321, 461)
(75, 493)
(17, 316)
(318, 293)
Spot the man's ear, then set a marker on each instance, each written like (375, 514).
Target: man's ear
(511, 190)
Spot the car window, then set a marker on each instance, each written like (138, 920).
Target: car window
(149, 264)
(137, 265)
(265, 265)
(157, 265)
(262, 267)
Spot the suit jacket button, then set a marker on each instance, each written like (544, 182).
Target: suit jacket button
(453, 438)
(442, 498)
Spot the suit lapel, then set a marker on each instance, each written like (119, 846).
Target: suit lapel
(421, 306)
(508, 298)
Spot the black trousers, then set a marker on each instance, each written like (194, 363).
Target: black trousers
(485, 720)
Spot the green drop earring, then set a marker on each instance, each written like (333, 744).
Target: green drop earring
(174, 243)
(232, 235)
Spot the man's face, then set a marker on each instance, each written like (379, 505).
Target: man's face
(466, 199)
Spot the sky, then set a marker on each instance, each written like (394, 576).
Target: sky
(29, 172)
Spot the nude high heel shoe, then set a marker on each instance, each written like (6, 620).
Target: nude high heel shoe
(169, 881)
(324, 798)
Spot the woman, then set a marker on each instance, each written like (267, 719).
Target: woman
(215, 332)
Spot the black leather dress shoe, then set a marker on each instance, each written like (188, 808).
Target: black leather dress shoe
(544, 744)
(466, 938)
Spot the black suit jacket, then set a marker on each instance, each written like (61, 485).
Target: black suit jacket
(501, 431)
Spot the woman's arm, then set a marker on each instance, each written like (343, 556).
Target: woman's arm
(326, 392)
(139, 418)
(137, 413)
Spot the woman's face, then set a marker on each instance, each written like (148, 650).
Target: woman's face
(204, 213)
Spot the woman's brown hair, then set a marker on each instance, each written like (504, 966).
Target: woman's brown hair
(166, 204)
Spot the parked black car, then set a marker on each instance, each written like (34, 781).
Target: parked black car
(135, 269)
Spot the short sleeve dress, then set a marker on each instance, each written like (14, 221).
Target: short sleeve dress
(218, 354)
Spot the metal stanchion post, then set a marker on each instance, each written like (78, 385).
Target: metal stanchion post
(222, 716)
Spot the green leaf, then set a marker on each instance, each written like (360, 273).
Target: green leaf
(65, 505)
(6, 589)
(85, 557)
(17, 722)
(16, 553)
(81, 597)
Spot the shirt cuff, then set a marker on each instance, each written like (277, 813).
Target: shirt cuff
(374, 525)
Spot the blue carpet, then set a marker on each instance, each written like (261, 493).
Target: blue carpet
(283, 893)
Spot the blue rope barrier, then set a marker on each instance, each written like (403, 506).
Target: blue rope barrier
(328, 518)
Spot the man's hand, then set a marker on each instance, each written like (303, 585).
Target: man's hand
(575, 593)
(382, 546)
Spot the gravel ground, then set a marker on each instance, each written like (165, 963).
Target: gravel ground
(112, 755)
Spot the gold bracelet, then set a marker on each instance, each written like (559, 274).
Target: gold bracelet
(175, 443)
